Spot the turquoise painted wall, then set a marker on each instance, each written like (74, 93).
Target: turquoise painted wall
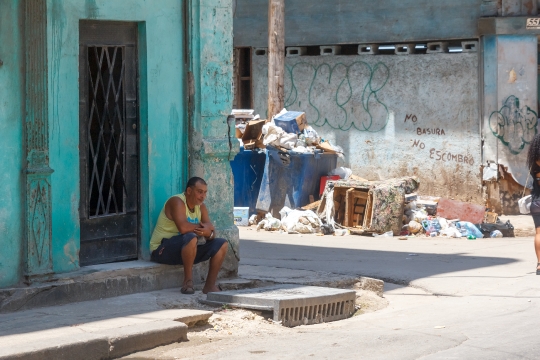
(211, 53)
(11, 130)
(163, 111)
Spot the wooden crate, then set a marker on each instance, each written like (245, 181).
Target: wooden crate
(368, 215)
(355, 207)
(340, 204)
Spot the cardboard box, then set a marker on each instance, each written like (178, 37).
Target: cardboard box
(252, 137)
(326, 147)
(241, 216)
(293, 122)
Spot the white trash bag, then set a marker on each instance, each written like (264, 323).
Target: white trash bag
(300, 221)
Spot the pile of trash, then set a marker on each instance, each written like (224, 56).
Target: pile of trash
(287, 131)
(421, 218)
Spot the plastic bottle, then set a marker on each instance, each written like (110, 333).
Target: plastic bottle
(471, 237)
(496, 234)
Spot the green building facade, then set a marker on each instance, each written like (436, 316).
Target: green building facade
(107, 107)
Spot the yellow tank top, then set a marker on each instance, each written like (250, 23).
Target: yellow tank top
(165, 228)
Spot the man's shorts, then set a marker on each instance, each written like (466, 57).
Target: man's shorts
(170, 250)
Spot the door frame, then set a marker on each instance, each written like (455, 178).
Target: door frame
(83, 91)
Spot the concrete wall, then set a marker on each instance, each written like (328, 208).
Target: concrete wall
(394, 115)
(11, 128)
(510, 114)
(511, 101)
(327, 22)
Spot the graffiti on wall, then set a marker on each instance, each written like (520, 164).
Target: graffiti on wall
(354, 89)
(515, 126)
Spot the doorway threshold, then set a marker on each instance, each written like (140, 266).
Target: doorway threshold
(96, 282)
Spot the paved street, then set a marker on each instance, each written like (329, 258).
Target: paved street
(465, 299)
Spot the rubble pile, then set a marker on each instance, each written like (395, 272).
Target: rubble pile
(424, 217)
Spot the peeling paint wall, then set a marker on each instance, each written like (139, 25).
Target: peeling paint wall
(11, 128)
(393, 115)
(163, 119)
(510, 101)
(212, 141)
(510, 114)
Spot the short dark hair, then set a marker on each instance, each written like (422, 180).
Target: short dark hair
(193, 181)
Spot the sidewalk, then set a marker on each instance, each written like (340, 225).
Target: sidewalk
(113, 327)
(100, 329)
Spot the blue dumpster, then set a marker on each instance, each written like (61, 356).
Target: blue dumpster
(289, 179)
(247, 168)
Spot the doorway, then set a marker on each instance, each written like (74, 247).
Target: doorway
(108, 142)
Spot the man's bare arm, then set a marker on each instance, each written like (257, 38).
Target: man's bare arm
(175, 210)
(207, 228)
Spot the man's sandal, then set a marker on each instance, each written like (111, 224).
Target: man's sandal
(537, 269)
(187, 289)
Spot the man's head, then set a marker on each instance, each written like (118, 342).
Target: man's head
(196, 190)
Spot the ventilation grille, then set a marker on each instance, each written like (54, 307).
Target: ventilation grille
(315, 314)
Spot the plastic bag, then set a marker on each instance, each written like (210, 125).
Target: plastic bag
(270, 223)
(252, 219)
(310, 135)
(496, 234)
(415, 227)
(342, 172)
(288, 141)
(419, 215)
(506, 229)
(524, 204)
(466, 228)
(298, 221)
(443, 223)
(451, 231)
(431, 225)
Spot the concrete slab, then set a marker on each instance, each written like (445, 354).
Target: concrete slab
(279, 275)
(125, 340)
(292, 304)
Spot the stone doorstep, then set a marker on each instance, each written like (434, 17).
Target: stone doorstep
(97, 282)
(108, 339)
(108, 344)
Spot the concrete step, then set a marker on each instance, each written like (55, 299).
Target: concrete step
(100, 329)
(108, 344)
(96, 282)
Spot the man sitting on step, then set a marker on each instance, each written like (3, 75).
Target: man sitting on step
(185, 236)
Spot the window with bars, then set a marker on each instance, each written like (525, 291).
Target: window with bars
(106, 131)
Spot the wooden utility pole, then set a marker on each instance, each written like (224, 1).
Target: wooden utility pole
(276, 56)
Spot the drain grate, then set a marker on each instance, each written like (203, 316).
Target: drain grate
(293, 305)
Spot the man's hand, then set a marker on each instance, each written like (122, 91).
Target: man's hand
(204, 230)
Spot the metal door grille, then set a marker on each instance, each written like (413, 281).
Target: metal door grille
(106, 131)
